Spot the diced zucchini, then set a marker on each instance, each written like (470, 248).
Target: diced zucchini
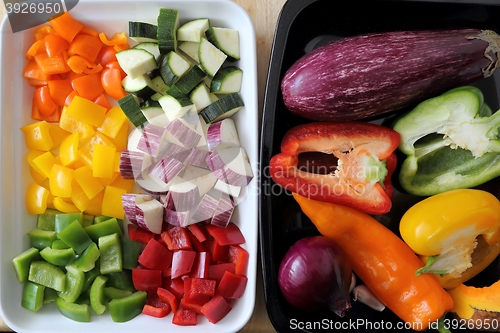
(142, 32)
(190, 49)
(193, 30)
(141, 86)
(168, 23)
(175, 107)
(152, 112)
(202, 97)
(136, 62)
(132, 110)
(211, 58)
(151, 47)
(226, 40)
(224, 107)
(227, 80)
(172, 67)
(187, 82)
(159, 85)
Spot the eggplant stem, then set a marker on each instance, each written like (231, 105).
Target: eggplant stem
(493, 41)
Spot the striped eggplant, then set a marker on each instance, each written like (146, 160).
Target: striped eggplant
(373, 74)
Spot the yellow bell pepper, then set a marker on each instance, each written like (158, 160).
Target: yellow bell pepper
(37, 136)
(72, 125)
(44, 162)
(63, 206)
(60, 180)
(86, 152)
(57, 134)
(79, 198)
(68, 150)
(444, 230)
(36, 199)
(103, 161)
(112, 202)
(90, 185)
(86, 111)
(113, 122)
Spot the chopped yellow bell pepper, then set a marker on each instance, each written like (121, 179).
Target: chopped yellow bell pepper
(86, 111)
(112, 202)
(32, 154)
(95, 207)
(79, 198)
(57, 134)
(103, 161)
(69, 149)
(121, 139)
(445, 227)
(72, 125)
(37, 136)
(90, 185)
(36, 199)
(60, 179)
(86, 152)
(38, 177)
(44, 163)
(113, 122)
(63, 206)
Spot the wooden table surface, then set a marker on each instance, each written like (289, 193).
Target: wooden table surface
(264, 14)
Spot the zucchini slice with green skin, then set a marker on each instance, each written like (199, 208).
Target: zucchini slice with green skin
(175, 107)
(193, 30)
(151, 47)
(224, 107)
(211, 58)
(136, 62)
(202, 97)
(141, 86)
(227, 80)
(225, 39)
(132, 110)
(190, 49)
(159, 85)
(172, 67)
(187, 82)
(142, 32)
(168, 23)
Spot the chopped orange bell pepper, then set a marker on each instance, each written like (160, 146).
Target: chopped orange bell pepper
(111, 81)
(66, 26)
(103, 101)
(51, 65)
(43, 101)
(59, 90)
(118, 38)
(42, 31)
(32, 71)
(79, 65)
(36, 48)
(86, 46)
(54, 44)
(88, 86)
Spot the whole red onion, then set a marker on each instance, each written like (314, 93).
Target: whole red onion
(315, 274)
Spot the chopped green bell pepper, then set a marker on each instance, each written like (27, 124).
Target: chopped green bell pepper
(131, 250)
(450, 142)
(75, 236)
(112, 293)
(47, 275)
(22, 263)
(88, 258)
(97, 298)
(121, 280)
(104, 228)
(47, 220)
(50, 295)
(111, 260)
(33, 294)
(74, 311)
(75, 281)
(59, 245)
(58, 257)
(62, 220)
(90, 276)
(127, 308)
(40, 238)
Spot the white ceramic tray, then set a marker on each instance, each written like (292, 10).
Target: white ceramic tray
(112, 16)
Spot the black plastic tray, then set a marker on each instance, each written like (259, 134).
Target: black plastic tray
(303, 25)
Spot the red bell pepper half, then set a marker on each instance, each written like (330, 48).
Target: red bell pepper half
(363, 157)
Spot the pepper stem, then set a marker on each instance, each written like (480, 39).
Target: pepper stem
(428, 268)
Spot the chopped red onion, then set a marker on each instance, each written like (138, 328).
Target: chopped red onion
(131, 164)
(151, 139)
(231, 165)
(224, 211)
(183, 133)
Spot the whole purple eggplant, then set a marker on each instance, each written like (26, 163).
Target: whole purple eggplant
(373, 74)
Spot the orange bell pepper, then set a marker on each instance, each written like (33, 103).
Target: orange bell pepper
(66, 26)
(118, 38)
(51, 65)
(384, 263)
(103, 101)
(79, 65)
(44, 102)
(88, 86)
(59, 90)
(32, 71)
(86, 46)
(54, 44)
(35, 48)
(106, 55)
(111, 81)
(37, 115)
(42, 31)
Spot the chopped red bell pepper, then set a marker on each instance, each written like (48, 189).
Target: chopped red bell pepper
(218, 253)
(169, 298)
(184, 317)
(138, 234)
(229, 235)
(201, 289)
(361, 175)
(198, 299)
(200, 265)
(198, 231)
(155, 256)
(182, 262)
(239, 256)
(177, 238)
(195, 243)
(146, 279)
(153, 311)
(175, 286)
(216, 271)
(190, 305)
(231, 285)
(216, 309)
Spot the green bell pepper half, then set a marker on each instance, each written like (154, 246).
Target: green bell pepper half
(450, 141)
